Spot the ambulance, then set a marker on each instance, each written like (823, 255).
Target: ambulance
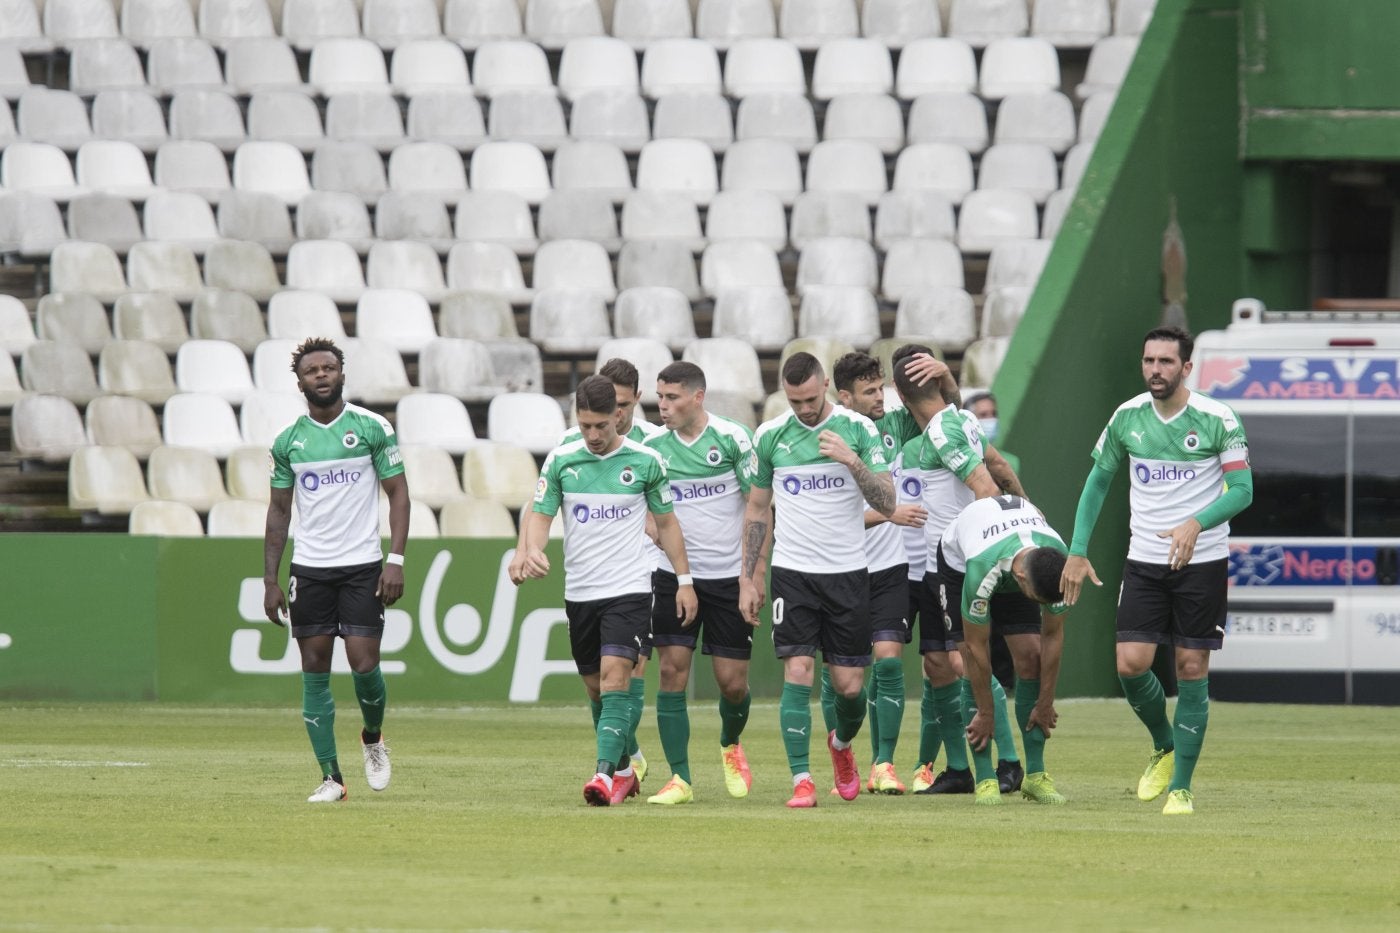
(1314, 603)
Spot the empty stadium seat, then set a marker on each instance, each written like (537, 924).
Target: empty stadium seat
(247, 479)
(579, 214)
(398, 317)
(405, 264)
(348, 64)
(272, 365)
(122, 421)
(137, 368)
(391, 23)
(180, 217)
(845, 312)
(271, 167)
(852, 66)
(73, 317)
(981, 22)
(849, 165)
(680, 66)
(145, 22)
(238, 518)
(914, 265)
(982, 359)
(566, 321)
(527, 419)
(134, 116)
(197, 419)
(473, 22)
(187, 475)
(820, 214)
(648, 354)
(46, 427)
(658, 262)
(1056, 206)
(289, 116)
(104, 64)
(576, 265)
(552, 23)
(704, 116)
(16, 331)
(114, 166)
(487, 267)
(170, 268)
(897, 23)
(1109, 60)
(913, 214)
(1046, 119)
(374, 373)
(786, 117)
(38, 168)
(213, 367)
(86, 267)
(1016, 262)
(413, 215)
(19, 27)
(258, 216)
(1018, 66)
(67, 22)
(1027, 167)
(660, 215)
(221, 21)
(730, 365)
(56, 117)
(763, 66)
(504, 473)
(154, 318)
(218, 314)
(813, 24)
(457, 367)
(872, 118)
(656, 312)
(724, 22)
(837, 261)
(989, 216)
(510, 65)
(596, 63)
(476, 518)
(758, 316)
(517, 364)
(1003, 309)
(768, 165)
(643, 23)
(529, 117)
(476, 316)
(10, 389)
(747, 215)
(264, 414)
(738, 264)
(1070, 24)
(1093, 115)
(684, 166)
(175, 64)
(241, 266)
(827, 350)
(104, 218)
(350, 166)
(428, 65)
(296, 315)
(510, 166)
(944, 312)
(305, 22)
(327, 266)
(1130, 17)
(30, 224)
(436, 419)
(431, 475)
(451, 116)
(106, 480)
(260, 63)
(422, 523)
(214, 117)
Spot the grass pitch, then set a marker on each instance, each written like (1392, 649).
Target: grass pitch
(137, 817)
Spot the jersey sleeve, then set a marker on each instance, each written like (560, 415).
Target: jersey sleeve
(762, 463)
(658, 487)
(978, 585)
(1109, 450)
(384, 449)
(280, 464)
(869, 445)
(548, 492)
(1234, 448)
(745, 459)
(950, 446)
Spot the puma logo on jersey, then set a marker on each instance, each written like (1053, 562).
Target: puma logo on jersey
(301, 444)
(572, 470)
(785, 448)
(1137, 434)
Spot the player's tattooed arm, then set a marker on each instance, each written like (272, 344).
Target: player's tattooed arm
(1002, 473)
(279, 519)
(755, 542)
(878, 488)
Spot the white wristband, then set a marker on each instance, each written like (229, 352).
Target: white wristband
(684, 579)
(395, 559)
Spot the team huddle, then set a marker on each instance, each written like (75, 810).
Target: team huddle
(862, 528)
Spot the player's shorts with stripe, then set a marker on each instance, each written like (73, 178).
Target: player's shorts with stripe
(720, 628)
(1185, 607)
(933, 631)
(1012, 613)
(335, 601)
(826, 612)
(612, 627)
(889, 605)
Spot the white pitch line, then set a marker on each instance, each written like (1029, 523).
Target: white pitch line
(67, 763)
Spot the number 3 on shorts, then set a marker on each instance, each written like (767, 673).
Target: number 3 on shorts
(291, 589)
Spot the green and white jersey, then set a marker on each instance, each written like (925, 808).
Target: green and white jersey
(334, 471)
(1177, 468)
(605, 500)
(710, 479)
(819, 511)
(909, 488)
(884, 543)
(953, 447)
(639, 432)
(981, 543)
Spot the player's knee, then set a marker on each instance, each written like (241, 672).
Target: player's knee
(1028, 665)
(1190, 667)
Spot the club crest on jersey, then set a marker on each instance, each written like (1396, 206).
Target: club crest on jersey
(712, 456)
(350, 441)
(889, 441)
(1192, 441)
(627, 477)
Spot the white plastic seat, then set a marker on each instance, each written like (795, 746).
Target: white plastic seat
(50, 367)
(724, 22)
(452, 116)
(272, 365)
(738, 264)
(658, 262)
(529, 117)
(39, 168)
(246, 479)
(786, 117)
(394, 22)
(760, 316)
(981, 22)
(470, 23)
(202, 420)
(510, 65)
(872, 118)
(349, 64)
(661, 215)
(943, 312)
(569, 322)
(706, 117)
(413, 215)
(680, 66)
(579, 214)
(73, 317)
(436, 419)
(1109, 60)
(86, 267)
(289, 116)
(1027, 167)
(616, 117)
(221, 21)
(938, 168)
(405, 264)
(10, 389)
(730, 365)
(261, 63)
(914, 265)
(352, 167)
(837, 261)
(504, 473)
(179, 217)
(194, 166)
(237, 518)
(213, 367)
(152, 317)
(398, 317)
(67, 22)
(763, 66)
(476, 316)
(476, 518)
(1130, 17)
(510, 166)
(136, 368)
(655, 312)
(265, 414)
(1070, 24)
(848, 165)
(270, 167)
(19, 28)
(527, 419)
(492, 268)
(164, 267)
(256, 216)
(422, 65)
(46, 427)
(305, 22)
(208, 116)
(59, 118)
(748, 215)
(16, 331)
(104, 64)
(1056, 206)
(577, 265)
(852, 66)
(1093, 115)
(217, 314)
(956, 118)
(374, 373)
(297, 315)
(163, 519)
(644, 23)
(913, 214)
(334, 215)
(596, 63)
(517, 364)
(648, 354)
(327, 266)
(500, 217)
(1076, 160)
(982, 359)
(989, 216)
(104, 218)
(767, 165)
(14, 78)
(106, 480)
(1003, 309)
(114, 166)
(1018, 66)
(812, 24)
(897, 23)
(30, 224)
(242, 266)
(117, 421)
(684, 166)
(1047, 119)
(458, 367)
(552, 23)
(820, 214)
(841, 311)
(592, 166)
(175, 64)
(131, 115)
(186, 475)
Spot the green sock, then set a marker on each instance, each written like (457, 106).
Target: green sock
(1001, 729)
(636, 697)
(1027, 692)
(673, 722)
(828, 700)
(1145, 696)
(947, 701)
(983, 767)
(612, 726)
(929, 737)
(889, 705)
(872, 697)
(1189, 729)
(596, 708)
(795, 718)
(850, 713)
(369, 690)
(732, 719)
(318, 713)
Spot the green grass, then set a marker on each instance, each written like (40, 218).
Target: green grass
(485, 828)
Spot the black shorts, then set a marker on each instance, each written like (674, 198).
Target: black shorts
(826, 611)
(1185, 607)
(1011, 613)
(933, 629)
(889, 605)
(335, 601)
(612, 627)
(720, 628)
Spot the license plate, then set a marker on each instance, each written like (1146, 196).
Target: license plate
(1276, 625)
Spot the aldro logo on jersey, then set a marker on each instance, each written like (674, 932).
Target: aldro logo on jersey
(696, 491)
(794, 485)
(1163, 473)
(312, 481)
(583, 514)
(913, 487)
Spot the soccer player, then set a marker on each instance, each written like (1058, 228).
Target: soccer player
(625, 379)
(1189, 465)
(710, 463)
(333, 461)
(956, 466)
(607, 484)
(818, 466)
(997, 560)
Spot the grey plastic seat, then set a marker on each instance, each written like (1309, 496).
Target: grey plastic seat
(458, 367)
(153, 318)
(769, 165)
(106, 219)
(68, 22)
(705, 116)
(422, 65)
(850, 65)
(241, 266)
(297, 314)
(214, 367)
(896, 23)
(272, 365)
(1018, 65)
(787, 117)
(592, 166)
(760, 316)
(575, 265)
(913, 265)
(177, 64)
(134, 116)
(347, 64)
(643, 23)
(104, 64)
(179, 217)
(476, 316)
(943, 169)
(374, 373)
(1108, 65)
(596, 63)
(529, 419)
(285, 116)
(405, 264)
(510, 166)
(492, 268)
(350, 167)
(395, 316)
(185, 475)
(59, 118)
(935, 66)
(114, 166)
(414, 216)
(662, 215)
(510, 65)
(192, 166)
(528, 117)
(958, 118)
(763, 66)
(451, 116)
(818, 214)
(476, 518)
(219, 314)
(52, 367)
(10, 389)
(874, 118)
(436, 419)
(19, 28)
(730, 365)
(122, 421)
(247, 482)
(849, 165)
(501, 217)
(371, 117)
(261, 64)
(552, 23)
(680, 66)
(469, 23)
(1130, 17)
(1071, 24)
(658, 262)
(73, 317)
(271, 167)
(264, 414)
(107, 480)
(568, 321)
(257, 216)
(980, 22)
(304, 22)
(78, 266)
(738, 264)
(617, 117)
(16, 330)
(844, 312)
(943, 312)
(30, 224)
(198, 419)
(14, 76)
(904, 214)
(1046, 119)
(812, 24)
(209, 116)
(579, 214)
(686, 166)
(38, 168)
(989, 216)
(837, 261)
(222, 21)
(431, 167)
(136, 368)
(237, 518)
(164, 267)
(748, 215)
(393, 22)
(723, 22)
(327, 266)
(656, 312)
(1027, 167)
